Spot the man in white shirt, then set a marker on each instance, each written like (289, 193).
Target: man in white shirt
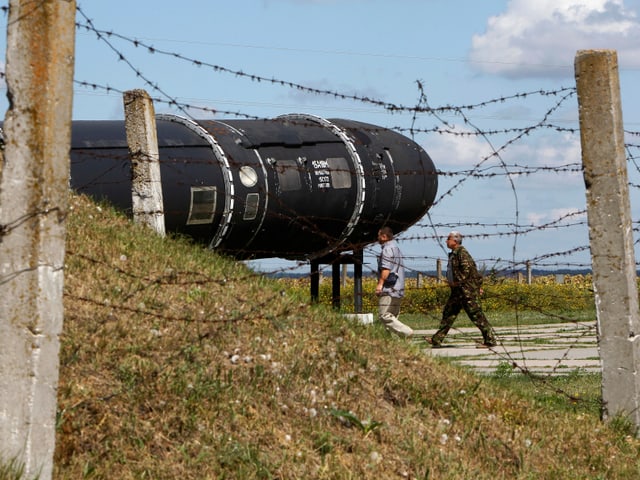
(390, 287)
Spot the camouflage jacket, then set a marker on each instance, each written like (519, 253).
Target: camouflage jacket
(462, 270)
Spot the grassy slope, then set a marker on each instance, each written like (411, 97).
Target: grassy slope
(177, 363)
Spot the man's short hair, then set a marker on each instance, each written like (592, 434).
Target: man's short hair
(387, 231)
(457, 236)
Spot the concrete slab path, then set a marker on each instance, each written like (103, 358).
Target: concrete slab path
(554, 349)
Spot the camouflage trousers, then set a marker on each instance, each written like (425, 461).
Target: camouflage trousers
(469, 300)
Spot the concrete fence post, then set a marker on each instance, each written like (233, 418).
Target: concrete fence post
(439, 270)
(610, 230)
(142, 138)
(34, 179)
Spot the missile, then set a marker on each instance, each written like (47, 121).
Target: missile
(297, 186)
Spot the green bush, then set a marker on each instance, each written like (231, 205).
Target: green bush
(499, 294)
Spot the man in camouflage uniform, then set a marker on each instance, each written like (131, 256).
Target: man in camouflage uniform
(465, 282)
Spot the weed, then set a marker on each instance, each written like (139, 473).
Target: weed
(180, 363)
(323, 443)
(350, 418)
(11, 470)
(623, 426)
(503, 370)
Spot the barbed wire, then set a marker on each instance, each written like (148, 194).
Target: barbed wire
(104, 35)
(482, 169)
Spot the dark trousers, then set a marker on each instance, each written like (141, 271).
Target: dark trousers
(469, 300)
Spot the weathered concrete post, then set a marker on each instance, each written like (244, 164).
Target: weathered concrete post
(610, 230)
(34, 181)
(142, 138)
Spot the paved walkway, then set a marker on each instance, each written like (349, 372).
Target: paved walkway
(554, 349)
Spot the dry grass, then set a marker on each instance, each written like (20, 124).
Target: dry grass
(177, 363)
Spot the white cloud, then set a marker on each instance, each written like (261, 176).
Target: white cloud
(567, 215)
(461, 151)
(541, 38)
(551, 150)
(468, 151)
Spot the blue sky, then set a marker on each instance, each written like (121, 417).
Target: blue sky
(465, 52)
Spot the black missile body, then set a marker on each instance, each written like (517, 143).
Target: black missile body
(294, 187)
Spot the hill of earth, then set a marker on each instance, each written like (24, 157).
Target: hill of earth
(179, 363)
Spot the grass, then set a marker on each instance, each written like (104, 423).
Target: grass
(500, 319)
(577, 391)
(11, 469)
(543, 300)
(178, 363)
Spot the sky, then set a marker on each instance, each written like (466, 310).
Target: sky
(461, 53)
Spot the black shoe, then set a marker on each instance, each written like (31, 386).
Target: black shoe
(433, 344)
(487, 345)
